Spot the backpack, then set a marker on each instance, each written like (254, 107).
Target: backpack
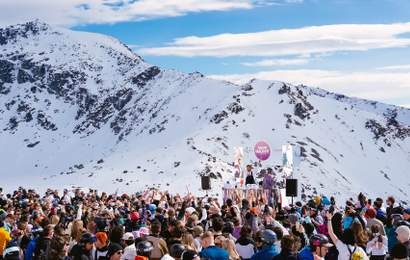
(350, 251)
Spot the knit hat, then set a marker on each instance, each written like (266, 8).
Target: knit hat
(3, 214)
(268, 237)
(88, 238)
(254, 210)
(102, 237)
(319, 240)
(134, 216)
(101, 224)
(142, 232)
(128, 236)
(176, 250)
(113, 248)
(317, 199)
(190, 210)
(403, 233)
(152, 207)
(189, 255)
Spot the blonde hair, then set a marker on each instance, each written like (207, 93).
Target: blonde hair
(76, 230)
(55, 220)
(193, 219)
(188, 241)
(229, 246)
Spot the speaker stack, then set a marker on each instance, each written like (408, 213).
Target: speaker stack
(206, 182)
(291, 187)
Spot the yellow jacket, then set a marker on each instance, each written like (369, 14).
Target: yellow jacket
(4, 239)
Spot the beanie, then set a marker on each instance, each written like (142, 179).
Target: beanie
(102, 237)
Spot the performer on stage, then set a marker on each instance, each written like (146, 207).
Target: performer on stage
(268, 180)
(268, 184)
(249, 175)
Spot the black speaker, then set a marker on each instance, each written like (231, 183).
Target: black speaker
(206, 182)
(291, 187)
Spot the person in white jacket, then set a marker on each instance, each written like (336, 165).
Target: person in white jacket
(377, 245)
(347, 248)
(129, 251)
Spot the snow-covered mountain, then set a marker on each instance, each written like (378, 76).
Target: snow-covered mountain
(81, 109)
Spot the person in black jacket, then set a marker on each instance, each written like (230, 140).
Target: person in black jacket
(83, 250)
(249, 175)
(43, 243)
(392, 207)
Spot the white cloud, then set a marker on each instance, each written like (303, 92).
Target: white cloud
(276, 62)
(396, 67)
(72, 12)
(300, 41)
(365, 84)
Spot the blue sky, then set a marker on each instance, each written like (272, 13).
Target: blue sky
(355, 47)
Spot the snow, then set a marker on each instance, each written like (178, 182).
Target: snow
(170, 118)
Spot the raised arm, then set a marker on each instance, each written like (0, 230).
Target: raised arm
(330, 228)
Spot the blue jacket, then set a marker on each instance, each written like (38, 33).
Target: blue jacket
(391, 237)
(214, 253)
(265, 253)
(306, 254)
(28, 255)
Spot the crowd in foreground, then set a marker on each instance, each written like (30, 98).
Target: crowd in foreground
(89, 225)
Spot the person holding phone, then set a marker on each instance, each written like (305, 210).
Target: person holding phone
(377, 245)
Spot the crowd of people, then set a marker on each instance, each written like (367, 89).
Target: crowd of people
(91, 225)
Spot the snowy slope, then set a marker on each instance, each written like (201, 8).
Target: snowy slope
(81, 109)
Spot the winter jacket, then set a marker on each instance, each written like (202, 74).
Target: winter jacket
(267, 252)
(42, 247)
(4, 239)
(285, 255)
(79, 253)
(391, 237)
(28, 255)
(306, 254)
(394, 209)
(100, 253)
(214, 253)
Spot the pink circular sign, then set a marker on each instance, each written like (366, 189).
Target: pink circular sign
(262, 150)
